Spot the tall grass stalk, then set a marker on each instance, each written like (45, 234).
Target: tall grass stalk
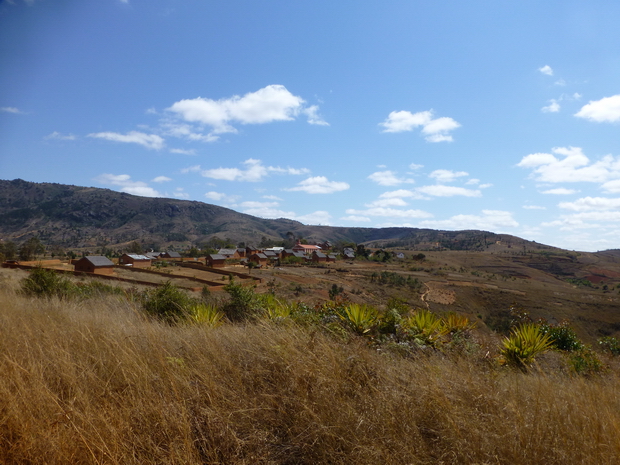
(96, 382)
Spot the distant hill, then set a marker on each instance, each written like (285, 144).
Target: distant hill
(74, 216)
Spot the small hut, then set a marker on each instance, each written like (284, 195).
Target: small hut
(94, 264)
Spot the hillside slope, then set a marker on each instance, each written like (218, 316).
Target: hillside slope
(74, 216)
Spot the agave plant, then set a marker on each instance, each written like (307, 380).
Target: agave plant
(525, 343)
(425, 327)
(455, 323)
(360, 318)
(274, 308)
(207, 315)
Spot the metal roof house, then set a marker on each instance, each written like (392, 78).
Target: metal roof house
(171, 255)
(94, 264)
(137, 261)
(215, 260)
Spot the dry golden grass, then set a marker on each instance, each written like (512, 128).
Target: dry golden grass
(96, 382)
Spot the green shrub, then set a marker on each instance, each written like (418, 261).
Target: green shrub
(611, 345)
(525, 343)
(424, 328)
(241, 301)
(47, 283)
(562, 336)
(359, 318)
(585, 362)
(168, 302)
(206, 315)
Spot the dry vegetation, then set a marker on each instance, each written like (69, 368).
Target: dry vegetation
(96, 381)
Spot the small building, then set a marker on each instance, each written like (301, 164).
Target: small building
(171, 255)
(259, 259)
(94, 264)
(152, 255)
(305, 248)
(229, 253)
(271, 255)
(318, 257)
(249, 250)
(241, 251)
(215, 260)
(137, 261)
(332, 257)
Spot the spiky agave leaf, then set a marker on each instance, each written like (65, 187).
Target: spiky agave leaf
(207, 315)
(360, 318)
(525, 343)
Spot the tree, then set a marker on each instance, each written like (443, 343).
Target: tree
(30, 249)
(135, 247)
(8, 249)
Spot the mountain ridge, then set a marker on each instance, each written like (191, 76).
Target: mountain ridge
(78, 216)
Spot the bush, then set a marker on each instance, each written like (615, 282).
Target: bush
(168, 302)
(241, 301)
(47, 283)
(585, 362)
(611, 345)
(359, 318)
(206, 315)
(424, 328)
(526, 342)
(562, 336)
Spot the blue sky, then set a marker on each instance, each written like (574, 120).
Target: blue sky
(502, 116)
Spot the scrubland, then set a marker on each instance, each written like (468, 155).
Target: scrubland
(96, 380)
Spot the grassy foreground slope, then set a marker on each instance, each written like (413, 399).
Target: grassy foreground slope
(97, 382)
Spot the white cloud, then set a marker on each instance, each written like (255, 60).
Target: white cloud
(315, 218)
(127, 185)
(546, 70)
(399, 121)
(591, 203)
(13, 110)
(560, 191)
(180, 194)
(400, 193)
(605, 110)
(490, 220)
(571, 166)
(191, 169)
(447, 175)
(436, 130)
(390, 202)
(150, 141)
(319, 185)
(185, 131)
(58, 136)
(312, 112)
(255, 204)
(212, 195)
(415, 167)
(485, 185)
(533, 207)
(266, 105)
(553, 107)
(356, 219)
(387, 178)
(271, 197)
(389, 212)
(440, 190)
(183, 151)
(255, 171)
(161, 179)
